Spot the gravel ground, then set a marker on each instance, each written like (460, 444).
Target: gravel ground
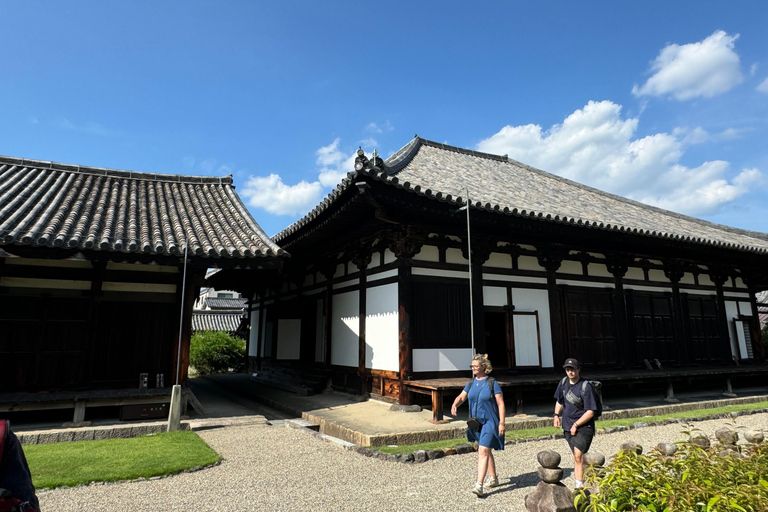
(271, 468)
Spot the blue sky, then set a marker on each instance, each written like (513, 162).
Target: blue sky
(664, 102)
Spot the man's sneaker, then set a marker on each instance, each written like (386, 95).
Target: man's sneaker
(491, 481)
(478, 489)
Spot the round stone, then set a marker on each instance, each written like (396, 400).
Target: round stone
(754, 436)
(700, 440)
(668, 449)
(727, 436)
(631, 446)
(594, 459)
(551, 476)
(548, 459)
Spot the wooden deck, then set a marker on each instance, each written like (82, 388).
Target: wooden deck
(516, 384)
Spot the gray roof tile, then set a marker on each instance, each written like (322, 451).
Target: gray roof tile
(46, 204)
(499, 184)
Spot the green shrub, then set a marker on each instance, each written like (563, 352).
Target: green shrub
(694, 479)
(215, 352)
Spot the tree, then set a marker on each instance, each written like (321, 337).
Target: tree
(215, 352)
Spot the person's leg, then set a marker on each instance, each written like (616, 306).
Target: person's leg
(491, 464)
(483, 457)
(578, 465)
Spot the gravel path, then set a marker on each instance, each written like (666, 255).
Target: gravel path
(271, 468)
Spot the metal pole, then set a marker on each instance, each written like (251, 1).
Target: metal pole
(181, 319)
(471, 300)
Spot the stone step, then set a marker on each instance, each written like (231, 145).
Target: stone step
(302, 423)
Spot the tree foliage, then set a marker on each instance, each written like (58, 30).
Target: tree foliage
(215, 352)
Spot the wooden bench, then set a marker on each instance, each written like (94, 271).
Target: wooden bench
(79, 400)
(437, 388)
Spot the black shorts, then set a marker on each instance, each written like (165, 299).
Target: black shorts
(582, 440)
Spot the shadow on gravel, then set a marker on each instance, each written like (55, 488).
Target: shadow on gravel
(531, 479)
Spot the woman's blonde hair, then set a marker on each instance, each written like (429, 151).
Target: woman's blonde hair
(484, 362)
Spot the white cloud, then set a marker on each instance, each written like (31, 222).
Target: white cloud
(274, 196)
(763, 87)
(595, 146)
(704, 69)
(753, 69)
(89, 127)
(376, 128)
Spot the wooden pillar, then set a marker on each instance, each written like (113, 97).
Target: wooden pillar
(405, 307)
(719, 276)
(674, 273)
(260, 334)
(328, 271)
(361, 257)
(404, 246)
(187, 299)
(625, 348)
(551, 259)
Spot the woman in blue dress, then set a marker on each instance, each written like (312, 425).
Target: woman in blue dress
(488, 407)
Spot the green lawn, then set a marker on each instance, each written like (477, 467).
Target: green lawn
(513, 434)
(82, 462)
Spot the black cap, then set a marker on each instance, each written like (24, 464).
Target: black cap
(572, 363)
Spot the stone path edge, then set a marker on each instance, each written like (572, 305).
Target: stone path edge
(425, 455)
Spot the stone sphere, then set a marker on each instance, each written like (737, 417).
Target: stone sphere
(700, 440)
(548, 459)
(551, 476)
(594, 459)
(631, 446)
(668, 449)
(727, 436)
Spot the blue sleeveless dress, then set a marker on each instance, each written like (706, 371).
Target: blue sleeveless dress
(482, 405)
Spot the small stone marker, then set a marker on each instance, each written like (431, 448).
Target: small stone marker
(549, 459)
(700, 440)
(631, 446)
(727, 436)
(594, 459)
(754, 436)
(550, 495)
(667, 449)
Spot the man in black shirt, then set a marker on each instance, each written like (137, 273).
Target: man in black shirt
(577, 410)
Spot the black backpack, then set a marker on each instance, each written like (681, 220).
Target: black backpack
(597, 387)
(491, 381)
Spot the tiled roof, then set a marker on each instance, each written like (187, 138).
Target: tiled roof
(216, 320)
(225, 303)
(499, 184)
(47, 204)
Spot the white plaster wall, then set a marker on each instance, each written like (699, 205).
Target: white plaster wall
(439, 272)
(528, 263)
(343, 284)
(586, 284)
(745, 308)
(253, 336)
(688, 279)
(600, 270)
(494, 296)
(382, 275)
(571, 267)
(526, 340)
(739, 283)
(514, 279)
(732, 312)
(499, 260)
(339, 271)
(453, 255)
(389, 256)
(657, 275)
(288, 338)
(657, 289)
(705, 280)
(382, 328)
(525, 299)
(345, 329)
(428, 253)
(319, 331)
(441, 359)
(634, 273)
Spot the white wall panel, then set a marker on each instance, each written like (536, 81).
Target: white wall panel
(319, 331)
(253, 336)
(633, 273)
(571, 267)
(537, 300)
(453, 255)
(382, 328)
(288, 338)
(528, 263)
(389, 256)
(382, 275)
(494, 296)
(600, 270)
(499, 260)
(345, 329)
(526, 340)
(441, 359)
(657, 275)
(428, 253)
